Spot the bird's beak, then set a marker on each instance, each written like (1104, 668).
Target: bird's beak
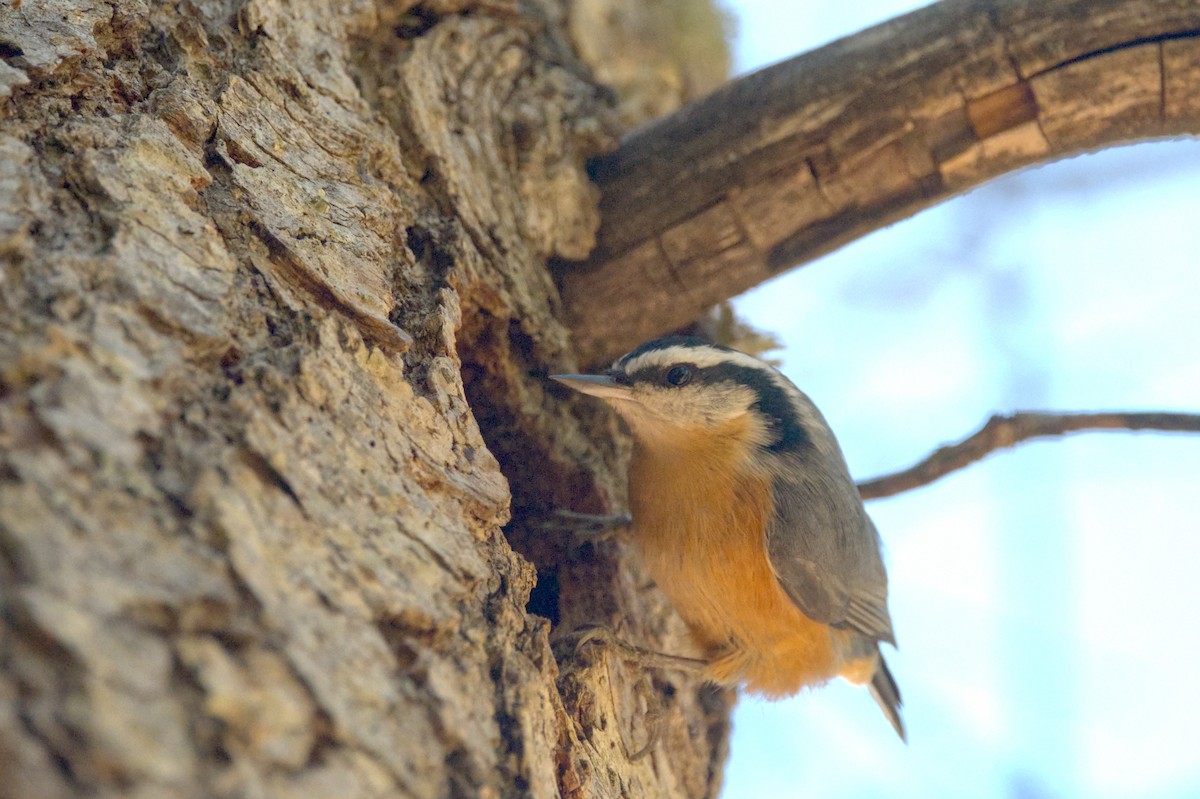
(601, 386)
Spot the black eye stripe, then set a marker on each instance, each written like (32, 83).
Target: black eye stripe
(679, 375)
(661, 375)
(619, 377)
(770, 398)
(771, 401)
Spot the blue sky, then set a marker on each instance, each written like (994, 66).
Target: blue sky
(1045, 599)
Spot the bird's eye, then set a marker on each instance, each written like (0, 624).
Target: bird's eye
(679, 375)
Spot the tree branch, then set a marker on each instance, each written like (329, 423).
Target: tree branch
(1003, 431)
(787, 164)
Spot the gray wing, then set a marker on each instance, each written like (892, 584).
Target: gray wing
(825, 551)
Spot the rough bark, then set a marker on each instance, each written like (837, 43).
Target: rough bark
(790, 163)
(267, 270)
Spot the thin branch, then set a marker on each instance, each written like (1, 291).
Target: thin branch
(1003, 431)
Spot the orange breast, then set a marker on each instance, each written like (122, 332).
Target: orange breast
(700, 528)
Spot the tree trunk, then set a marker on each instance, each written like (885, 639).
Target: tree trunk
(267, 268)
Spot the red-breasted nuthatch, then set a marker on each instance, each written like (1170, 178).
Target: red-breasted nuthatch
(746, 517)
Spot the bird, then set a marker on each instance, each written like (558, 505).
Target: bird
(746, 517)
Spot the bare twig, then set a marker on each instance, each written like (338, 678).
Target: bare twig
(1002, 431)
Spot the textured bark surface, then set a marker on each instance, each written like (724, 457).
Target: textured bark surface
(275, 313)
(787, 164)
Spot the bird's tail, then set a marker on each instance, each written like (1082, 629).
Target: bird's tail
(883, 687)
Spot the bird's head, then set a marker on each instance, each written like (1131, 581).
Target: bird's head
(671, 390)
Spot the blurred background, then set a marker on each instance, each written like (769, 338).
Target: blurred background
(1046, 599)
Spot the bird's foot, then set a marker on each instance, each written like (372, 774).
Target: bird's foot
(591, 526)
(638, 655)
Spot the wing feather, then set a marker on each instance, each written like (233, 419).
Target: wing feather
(825, 552)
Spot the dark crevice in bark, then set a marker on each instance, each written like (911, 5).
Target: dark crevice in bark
(419, 19)
(540, 484)
(1166, 37)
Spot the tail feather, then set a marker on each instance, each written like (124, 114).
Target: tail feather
(887, 695)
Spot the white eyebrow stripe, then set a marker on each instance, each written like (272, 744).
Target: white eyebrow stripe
(702, 357)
